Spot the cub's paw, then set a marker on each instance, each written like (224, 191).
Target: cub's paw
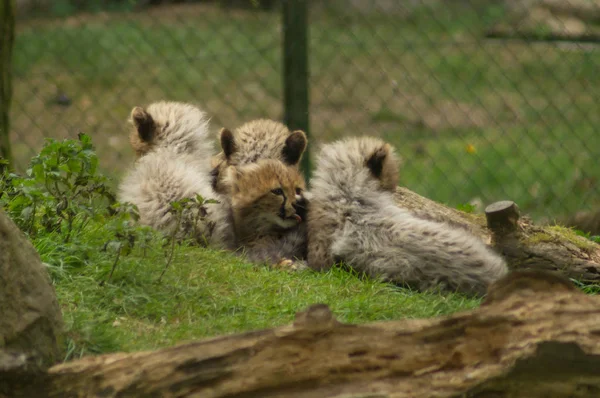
(290, 265)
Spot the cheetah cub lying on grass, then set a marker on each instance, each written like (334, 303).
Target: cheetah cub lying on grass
(353, 218)
(266, 203)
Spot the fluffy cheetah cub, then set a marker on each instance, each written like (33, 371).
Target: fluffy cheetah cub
(255, 140)
(179, 127)
(266, 217)
(353, 218)
(172, 143)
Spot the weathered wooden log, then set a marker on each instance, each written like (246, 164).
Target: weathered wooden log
(534, 336)
(523, 244)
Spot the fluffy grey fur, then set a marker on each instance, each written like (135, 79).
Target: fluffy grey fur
(287, 250)
(353, 218)
(173, 143)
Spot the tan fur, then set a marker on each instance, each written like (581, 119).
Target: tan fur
(255, 140)
(264, 200)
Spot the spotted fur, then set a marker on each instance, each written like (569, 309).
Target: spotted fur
(265, 200)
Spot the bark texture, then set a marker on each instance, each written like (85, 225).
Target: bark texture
(534, 336)
(523, 244)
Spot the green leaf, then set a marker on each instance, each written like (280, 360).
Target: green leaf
(73, 166)
(114, 246)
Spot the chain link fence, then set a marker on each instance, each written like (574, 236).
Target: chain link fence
(484, 100)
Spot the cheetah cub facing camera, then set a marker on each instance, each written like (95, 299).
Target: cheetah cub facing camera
(255, 140)
(265, 200)
(172, 144)
(353, 218)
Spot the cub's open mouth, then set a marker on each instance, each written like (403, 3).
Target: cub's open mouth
(294, 217)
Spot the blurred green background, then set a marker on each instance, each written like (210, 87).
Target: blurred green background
(485, 100)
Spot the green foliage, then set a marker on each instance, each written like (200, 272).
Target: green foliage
(62, 195)
(189, 211)
(59, 191)
(587, 235)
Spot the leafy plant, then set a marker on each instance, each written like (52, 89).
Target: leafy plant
(190, 224)
(61, 190)
(587, 235)
(124, 232)
(61, 194)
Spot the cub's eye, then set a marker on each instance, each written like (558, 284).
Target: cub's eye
(298, 191)
(277, 191)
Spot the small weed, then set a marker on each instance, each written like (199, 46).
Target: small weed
(125, 232)
(587, 235)
(190, 222)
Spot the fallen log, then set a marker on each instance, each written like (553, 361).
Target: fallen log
(523, 244)
(535, 335)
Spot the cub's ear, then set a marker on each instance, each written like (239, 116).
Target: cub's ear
(143, 123)
(227, 142)
(376, 160)
(295, 145)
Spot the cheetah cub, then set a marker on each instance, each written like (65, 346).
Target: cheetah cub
(266, 220)
(255, 140)
(173, 148)
(353, 218)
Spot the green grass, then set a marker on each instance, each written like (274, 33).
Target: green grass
(115, 286)
(205, 293)
(428, 82)
(471, 118)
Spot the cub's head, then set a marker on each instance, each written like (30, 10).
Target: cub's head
(357, 162)
(255, 140)
(266, 196)
(180, 126)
